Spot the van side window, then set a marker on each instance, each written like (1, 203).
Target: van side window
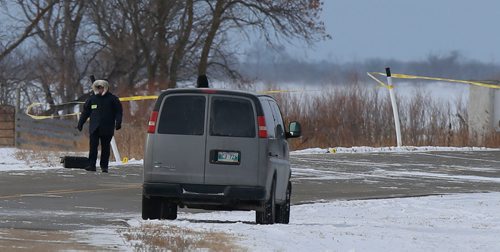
(183, 115)
(280, 127)
(232, 117)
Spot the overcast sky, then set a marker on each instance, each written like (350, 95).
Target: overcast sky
(408, 30)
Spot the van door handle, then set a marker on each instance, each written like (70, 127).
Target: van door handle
(273, 155)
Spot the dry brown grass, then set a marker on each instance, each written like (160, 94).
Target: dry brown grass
(132, 137)
(341, 116)
(355, 116)
(131, 140)
(54, 144)
(155, 237)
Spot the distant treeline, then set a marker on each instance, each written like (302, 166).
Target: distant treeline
(277, 66)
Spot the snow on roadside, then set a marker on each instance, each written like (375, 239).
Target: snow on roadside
(8, 158)
(13, 159)
(106, 238)
(460, 222)
(366, 149)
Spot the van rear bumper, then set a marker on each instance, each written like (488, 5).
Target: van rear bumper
(208, 196)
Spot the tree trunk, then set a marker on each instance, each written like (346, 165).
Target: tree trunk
(161, 48)
(214, 27)
(181, 44)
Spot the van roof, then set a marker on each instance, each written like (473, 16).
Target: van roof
(253, 96)
(210, 91)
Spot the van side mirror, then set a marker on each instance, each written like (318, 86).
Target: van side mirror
(294, 130)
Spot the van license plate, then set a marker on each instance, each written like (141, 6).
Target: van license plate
(228, 157)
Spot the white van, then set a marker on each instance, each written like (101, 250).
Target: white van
(217, 149)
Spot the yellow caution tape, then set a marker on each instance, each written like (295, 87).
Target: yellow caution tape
(407, 76)
(125, 99)
(49, 116)
(130, 98)
(139, 98)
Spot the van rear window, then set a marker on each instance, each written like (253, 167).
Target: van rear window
(183, 115)
(232, 117)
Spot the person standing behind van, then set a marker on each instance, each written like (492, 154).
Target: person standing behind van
(202, 81)
(105, 112)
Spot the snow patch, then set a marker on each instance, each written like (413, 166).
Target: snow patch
(462, 222)
(13, 159)
(103, 237)
(403, 149)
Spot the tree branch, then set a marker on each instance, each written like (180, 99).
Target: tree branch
(27, 30)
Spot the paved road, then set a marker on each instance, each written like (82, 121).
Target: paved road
(382, 175)
(57, 203)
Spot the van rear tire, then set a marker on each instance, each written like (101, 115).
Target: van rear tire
(151, 208)
(269, 214)
(169, 210)
(283, 210)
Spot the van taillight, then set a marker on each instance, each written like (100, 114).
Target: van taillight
(152, 122)
(262, 126)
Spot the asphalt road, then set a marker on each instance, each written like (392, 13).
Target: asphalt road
(43, 209)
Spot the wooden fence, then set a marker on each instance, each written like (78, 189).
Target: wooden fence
(7, 126)
(48, 133)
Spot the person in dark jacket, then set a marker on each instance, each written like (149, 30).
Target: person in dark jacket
(105, 112)
(202, 81)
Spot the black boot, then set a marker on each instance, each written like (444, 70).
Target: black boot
(104, 169)
(90, 168)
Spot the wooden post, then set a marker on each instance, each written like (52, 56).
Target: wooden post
(18, 99)
(16, 112)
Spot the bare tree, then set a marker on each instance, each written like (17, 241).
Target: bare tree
(121, 60)
(185, 30)
(153, 41)
(297, 19)
(139, 36)
(165, 39)
(7, 74)
(31, 24)
(59, 32)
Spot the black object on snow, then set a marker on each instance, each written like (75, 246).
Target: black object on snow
(75, 162)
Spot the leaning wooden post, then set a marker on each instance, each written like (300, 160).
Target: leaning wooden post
(116, 153)
(394, 106)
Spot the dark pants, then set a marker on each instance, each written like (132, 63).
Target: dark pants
(105, 149)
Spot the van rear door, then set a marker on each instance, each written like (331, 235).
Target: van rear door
(179, 146)
(232, 142)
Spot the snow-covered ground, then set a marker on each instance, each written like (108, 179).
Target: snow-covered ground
(402, 149)
(12, 159)
(453, 222)
(461, 222)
